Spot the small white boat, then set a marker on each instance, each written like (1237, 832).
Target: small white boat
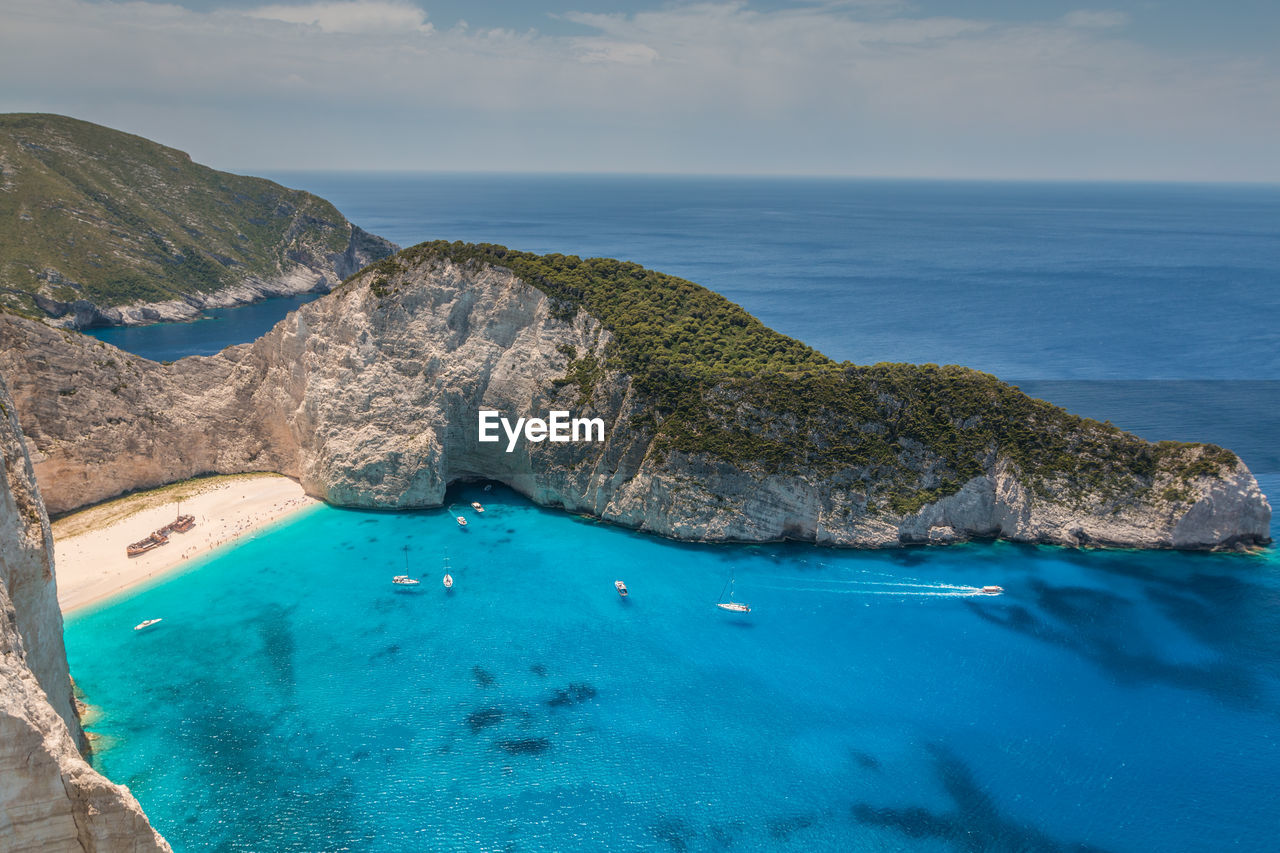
(462, 522)
(991, 590)
(405, 580)
(621, 588)
(476, 506)
(144, 625)
(448, 581)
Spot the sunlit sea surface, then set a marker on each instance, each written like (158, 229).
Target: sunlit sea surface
(294, 700)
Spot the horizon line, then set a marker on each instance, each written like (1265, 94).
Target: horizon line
(842, 176)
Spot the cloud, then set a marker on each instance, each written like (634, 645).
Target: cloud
(349, 16)
(689, 87)
(603, 50)
(1095, 20)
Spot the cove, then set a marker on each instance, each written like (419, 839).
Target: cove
(293, 700)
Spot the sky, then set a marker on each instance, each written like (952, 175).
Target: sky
(1005, 89)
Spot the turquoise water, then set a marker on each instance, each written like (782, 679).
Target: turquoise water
(293, 700)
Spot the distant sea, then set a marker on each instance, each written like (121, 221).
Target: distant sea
(1105, 298)
(292, 700)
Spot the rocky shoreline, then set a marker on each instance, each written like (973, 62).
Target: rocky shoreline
(369, 398)
(301, 279)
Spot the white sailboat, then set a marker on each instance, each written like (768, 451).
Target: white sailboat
(448, 578)
(731, 605)
(404, 579)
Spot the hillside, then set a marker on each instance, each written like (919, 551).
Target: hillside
(100, 227)
(726, 385)
(717, 428)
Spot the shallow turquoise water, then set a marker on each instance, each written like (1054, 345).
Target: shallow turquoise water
(293, 700)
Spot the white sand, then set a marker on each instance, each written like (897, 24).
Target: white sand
(89, 546)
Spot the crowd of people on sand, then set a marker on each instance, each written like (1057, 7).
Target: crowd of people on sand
(240, 526)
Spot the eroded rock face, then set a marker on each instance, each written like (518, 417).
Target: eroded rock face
(50, 798)
(370, 397)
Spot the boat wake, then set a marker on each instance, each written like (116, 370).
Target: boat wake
(846, 586)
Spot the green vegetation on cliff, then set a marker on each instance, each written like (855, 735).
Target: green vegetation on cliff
(726, 385)
(91, 213)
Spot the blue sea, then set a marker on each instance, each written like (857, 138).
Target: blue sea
(293, 700)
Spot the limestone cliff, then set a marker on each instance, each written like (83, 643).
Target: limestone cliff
(370, 395)
(103, 228)
(50, 798)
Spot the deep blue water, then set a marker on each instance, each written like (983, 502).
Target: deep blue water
(1023, 280)
(1093, 283)
(219, 329)
(291, 700)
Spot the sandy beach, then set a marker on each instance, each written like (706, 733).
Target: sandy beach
(89, 546)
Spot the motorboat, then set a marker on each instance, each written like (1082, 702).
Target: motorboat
(477, 506)
(462, 522)
(991, 590)
(621, 588)
(142, 626)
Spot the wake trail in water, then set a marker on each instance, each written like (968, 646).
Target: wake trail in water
(960, 592)
(861, 584)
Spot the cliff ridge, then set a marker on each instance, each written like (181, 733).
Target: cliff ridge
(370, 395)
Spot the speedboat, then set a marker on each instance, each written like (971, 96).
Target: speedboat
(141, 626)
(621, 588)
(405, 580)
(476, 506)
(991, 590)
(462, 522)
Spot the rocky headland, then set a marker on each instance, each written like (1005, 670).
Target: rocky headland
(103, 228)
(50, 798)
(717, 428)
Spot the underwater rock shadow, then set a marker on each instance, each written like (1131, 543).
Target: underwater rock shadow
(1228, 613)
(524, 745)
(574, 694)
(274, 624)
(483, 718)
(1095, 625)
(482, 676)
(975, 825)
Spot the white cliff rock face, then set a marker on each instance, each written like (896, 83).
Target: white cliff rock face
(295, 281)
(321, 274)
(50, 798)
(998, 505)
(370, 397)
